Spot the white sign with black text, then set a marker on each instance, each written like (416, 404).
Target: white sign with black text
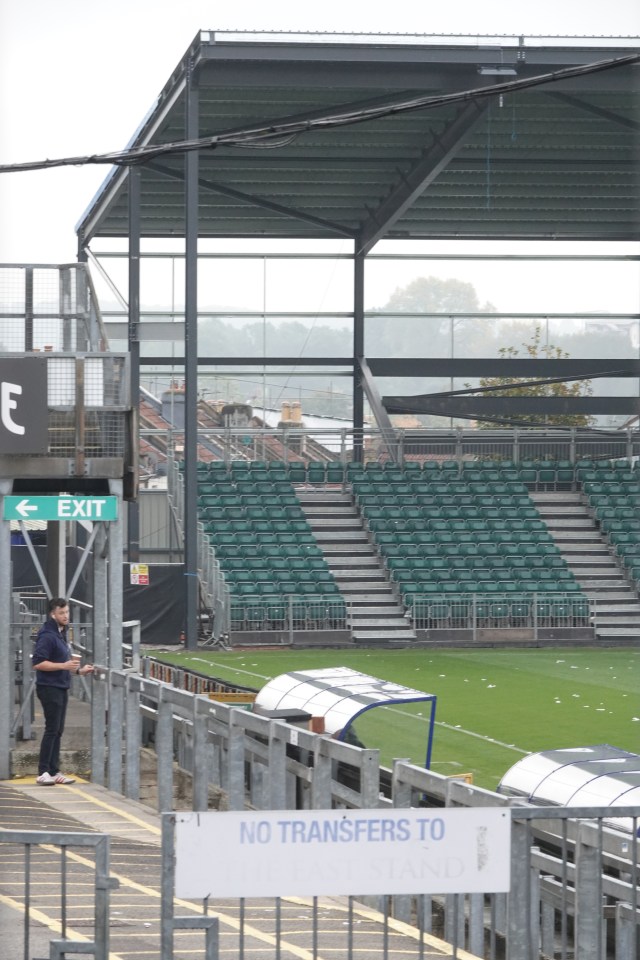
(342, 852)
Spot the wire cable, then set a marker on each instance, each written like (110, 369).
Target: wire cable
(263, 135)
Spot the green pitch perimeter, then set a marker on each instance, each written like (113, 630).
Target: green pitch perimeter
(494, 706)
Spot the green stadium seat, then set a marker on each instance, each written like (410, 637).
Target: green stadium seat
(335, 472)
(296, 472)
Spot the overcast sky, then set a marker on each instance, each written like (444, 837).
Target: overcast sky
(78, 76)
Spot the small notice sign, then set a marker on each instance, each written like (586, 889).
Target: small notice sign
(139, 573)
(342, 852)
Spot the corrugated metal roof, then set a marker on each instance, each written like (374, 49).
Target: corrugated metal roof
(555, 161)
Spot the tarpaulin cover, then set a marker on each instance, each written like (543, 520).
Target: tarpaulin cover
(159, 606)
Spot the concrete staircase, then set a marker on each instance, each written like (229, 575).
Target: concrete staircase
(589, 556)
(375, 615)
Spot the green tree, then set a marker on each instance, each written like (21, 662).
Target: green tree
(523, 387)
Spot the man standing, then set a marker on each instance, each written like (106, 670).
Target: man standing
(54, 664)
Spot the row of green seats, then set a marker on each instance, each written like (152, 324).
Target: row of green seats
(532, 561)
(433, 545)
(463, 545)
(282, 588)
(500, 535)
(254, 511)
(226, 543)
(275, 570)
(424, 588)
(299, 528)
(269, 553)
(613, 488)
(465, 515)
(313, 612)
(259, 488)
(628, 550)
(476, 575)
(506, 611)
(435, 487)
(446, 506)
(279, 581)
(294, 471)
(210, 512)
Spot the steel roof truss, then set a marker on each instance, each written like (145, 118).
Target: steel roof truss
(289, 212)
(432, 162)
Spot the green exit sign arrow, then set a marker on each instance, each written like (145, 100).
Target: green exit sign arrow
(60, 508)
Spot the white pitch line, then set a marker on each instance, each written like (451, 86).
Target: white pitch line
(468, 733)
(481, 736)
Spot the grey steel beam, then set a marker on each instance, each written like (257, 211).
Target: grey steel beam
(133, 335)
(290, 212)
(483, 407)
(99, 692)
(499, 228)
(7, 674)
(596, 111)
(358, 353)
(484, 52)
(412, 185)
(431, 366)
(191, 162)
(115, 548)
(499, 367)
(89, 226)
(363, 375)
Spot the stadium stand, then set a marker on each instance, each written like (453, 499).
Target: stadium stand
(273, 567)
(461, 544)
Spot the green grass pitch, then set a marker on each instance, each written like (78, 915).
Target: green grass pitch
(494, 706)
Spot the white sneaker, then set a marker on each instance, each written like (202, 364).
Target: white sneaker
(45, 780)
(60, 778)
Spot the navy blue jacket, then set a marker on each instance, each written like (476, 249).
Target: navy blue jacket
(51, 644)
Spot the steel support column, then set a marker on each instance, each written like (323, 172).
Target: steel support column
(99, 697)
(6, 674)
(358, 354)
(115, 590)
(191, 365)
(133, 511)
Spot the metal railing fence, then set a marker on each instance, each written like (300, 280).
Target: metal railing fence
(574, 871)
(26, 855)
(573, 893)
(511, 610)
(336, 444)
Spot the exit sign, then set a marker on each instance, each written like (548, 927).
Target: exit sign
(60, 508)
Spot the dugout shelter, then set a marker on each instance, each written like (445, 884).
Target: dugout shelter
(340, 695)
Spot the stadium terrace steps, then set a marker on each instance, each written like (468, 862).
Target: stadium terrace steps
(375, 614)
(589, 555)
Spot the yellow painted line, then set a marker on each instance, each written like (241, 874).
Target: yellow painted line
(54, 925)
(89, 799)
(397, 925)
(119, 814)
(249, 931)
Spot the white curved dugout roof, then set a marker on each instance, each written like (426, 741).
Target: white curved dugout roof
(597, 776)
(339, 694)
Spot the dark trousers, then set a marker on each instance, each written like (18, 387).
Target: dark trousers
(54, 705)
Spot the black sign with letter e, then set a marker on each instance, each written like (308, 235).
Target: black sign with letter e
(23, 405)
